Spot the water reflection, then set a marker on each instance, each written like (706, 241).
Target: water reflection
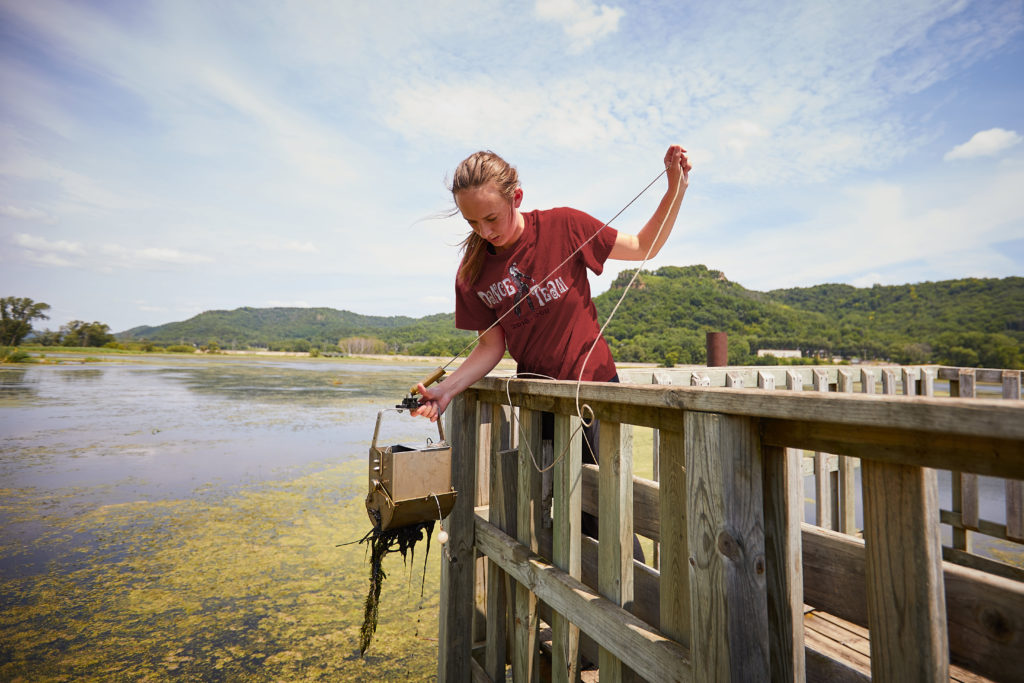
(15, 385)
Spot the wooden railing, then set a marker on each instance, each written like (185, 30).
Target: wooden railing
(735, 563)
(833, 490)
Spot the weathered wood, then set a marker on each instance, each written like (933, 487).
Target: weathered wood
(646, 522)
(725, 533)
(502, 513)
(964, 484)
(783, 512)
(675, 566)
(980, 454)
(846, 514)
(615, 523)
(984, 612)
(455, 621)
(982, 564)
(1014, 488)
(643, 648)
(482, 497)
(663, 379)
(566, 530)
(985, 375)
(528, 522)
(906, 599)
(867, 381)
(824, 493)
(979, 437)
(633, 404)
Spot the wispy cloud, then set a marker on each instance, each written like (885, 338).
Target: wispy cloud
(583, 21)
(240, 152)
(985, 143)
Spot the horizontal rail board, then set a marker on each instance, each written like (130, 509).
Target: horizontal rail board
(992, 418)
(640, 646)
(981, 454)
(985, 613)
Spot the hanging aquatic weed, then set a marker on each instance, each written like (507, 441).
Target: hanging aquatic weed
(381, 544)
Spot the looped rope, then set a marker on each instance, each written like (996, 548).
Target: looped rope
(584, 422)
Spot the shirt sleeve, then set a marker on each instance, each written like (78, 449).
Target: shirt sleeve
(470, 311)
(583, 227)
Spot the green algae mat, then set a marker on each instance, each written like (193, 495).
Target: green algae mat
(252, 586)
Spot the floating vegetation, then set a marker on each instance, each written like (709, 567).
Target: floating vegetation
(247, 586)
(382, 543)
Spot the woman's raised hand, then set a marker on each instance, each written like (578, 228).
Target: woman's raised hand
(677, 166)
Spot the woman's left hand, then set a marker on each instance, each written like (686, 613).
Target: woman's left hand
(677, 166)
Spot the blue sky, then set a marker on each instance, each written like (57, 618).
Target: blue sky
(159, 159)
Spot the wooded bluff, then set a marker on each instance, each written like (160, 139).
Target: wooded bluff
(969, 322)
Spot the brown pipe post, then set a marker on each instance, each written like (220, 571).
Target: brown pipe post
(718, 349)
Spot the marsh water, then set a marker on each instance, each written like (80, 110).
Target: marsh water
(180, 519)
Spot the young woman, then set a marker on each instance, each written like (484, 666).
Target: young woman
(512, 271)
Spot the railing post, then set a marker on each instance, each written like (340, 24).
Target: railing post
(725, 529)
(528, 519)
(501, 513)
(847, 465)
(823, 489)
(964, 484)
(675, 556)
(905, 592)
(458, 571)
(1014, 487)
(566, 547)
(615, 528)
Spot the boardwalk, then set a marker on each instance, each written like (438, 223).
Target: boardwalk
(740, 588)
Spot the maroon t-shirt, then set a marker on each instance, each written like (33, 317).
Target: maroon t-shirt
(553, 320)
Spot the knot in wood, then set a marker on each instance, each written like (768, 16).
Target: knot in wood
(728, 546)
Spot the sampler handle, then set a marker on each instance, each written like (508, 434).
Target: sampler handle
(380, 414)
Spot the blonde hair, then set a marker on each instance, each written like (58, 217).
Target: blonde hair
(474, 171)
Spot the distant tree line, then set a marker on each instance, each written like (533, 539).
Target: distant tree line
(664, 319)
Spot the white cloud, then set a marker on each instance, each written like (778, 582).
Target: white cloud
(147, 257)
(985, 143)
(287, 304)
(36, 243)
(25, 214)
(583, 21)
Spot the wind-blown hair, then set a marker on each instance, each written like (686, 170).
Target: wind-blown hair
(474, 171)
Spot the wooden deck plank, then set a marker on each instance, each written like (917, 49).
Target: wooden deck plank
(849, 644)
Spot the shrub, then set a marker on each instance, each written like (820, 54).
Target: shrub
(180, 348)
(12, 354)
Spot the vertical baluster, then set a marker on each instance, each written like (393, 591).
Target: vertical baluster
(725, 534)
(847, 474)
(905, 592)
(965, 485)
(528, 520)
(822, 472)
(615, 529)
(662, 378)
(1014, 488)
(675, 567)
(502, 513)
(566, 554)
(455, 620)
(783, 513)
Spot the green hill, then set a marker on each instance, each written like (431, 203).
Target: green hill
(664, 318)
(969, 322)
(303, 328)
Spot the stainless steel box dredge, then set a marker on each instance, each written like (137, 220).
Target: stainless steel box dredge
(409, 485)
